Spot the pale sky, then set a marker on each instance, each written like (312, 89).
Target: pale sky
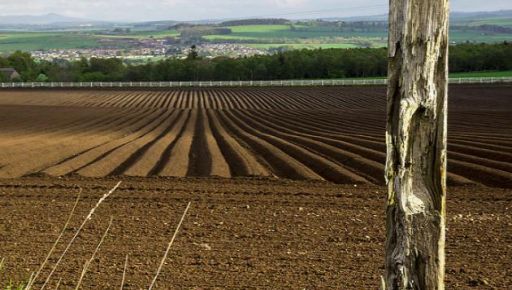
(142, 10)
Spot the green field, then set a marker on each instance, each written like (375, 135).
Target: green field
(296, 36)
(496, 21)
(478, 37)
(142, 34)
(483, 74)
(301, 45)
(28, 41)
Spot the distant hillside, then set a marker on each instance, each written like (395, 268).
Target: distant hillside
(481, 15)
(256, 21)
(455, 16)
(47, 19)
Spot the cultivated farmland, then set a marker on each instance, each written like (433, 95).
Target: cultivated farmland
(286, 186)
(332, 134)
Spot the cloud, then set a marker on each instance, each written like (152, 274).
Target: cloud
(135, 10)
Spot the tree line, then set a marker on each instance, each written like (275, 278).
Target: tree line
(295, 64)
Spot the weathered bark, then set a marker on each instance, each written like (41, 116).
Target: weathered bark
(416, 144)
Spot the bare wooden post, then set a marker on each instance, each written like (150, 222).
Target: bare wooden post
(416, 144)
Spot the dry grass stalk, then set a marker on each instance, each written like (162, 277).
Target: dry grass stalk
(88, 262)
(124, 272)
(89, 216)
(33, 280)
(169, 246)
(58, 284)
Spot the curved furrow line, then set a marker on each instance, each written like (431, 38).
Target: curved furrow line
(189, 99)
(457, 170)
(344, 127)
(208, 103)
(114, 100)
(141, 156)
(166, 104)
(159, 100)
(242, 101)
(317, 101)
(214, 100)
(350, 167)
(481, 144)
(72, 100)
(109, 99)
(249, 99)
(135, 123)
(41, 128)
(302, 101)
(52, 151)
(140, 100)
(108, 162)
(163, 161)
(105, 163)
(283, 100)
(172, 98)
(122, 99)
(321, 166)
(333, 120)
(219, 166)
(179, 158)
(312, 130)
(373, 150)
(280, 163)
(485, 175)
(83, 127)
(144, 100)
(228, 98)
(182, 100)
(270, 101)
(151, 99)
(226, 103)
(145, 126)
(328, 101)
(504, 166)
(126, 99)
(481, 152)
(352, 100)
(200, 158)
(241, 161)
(151, 154)
(262, 100)
(496, 140)
(162, 100)
(310, 155)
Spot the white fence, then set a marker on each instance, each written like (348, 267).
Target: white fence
(279, 83)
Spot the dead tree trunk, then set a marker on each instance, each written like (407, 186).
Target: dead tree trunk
(416, 144)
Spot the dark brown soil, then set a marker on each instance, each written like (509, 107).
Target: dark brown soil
(240, 233)
(322, 133)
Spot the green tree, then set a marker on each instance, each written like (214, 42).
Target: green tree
(42, 78)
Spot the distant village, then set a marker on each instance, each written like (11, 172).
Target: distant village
(147, 49)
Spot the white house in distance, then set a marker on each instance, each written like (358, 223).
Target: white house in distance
(9, 73)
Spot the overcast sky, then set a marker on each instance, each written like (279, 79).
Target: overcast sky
(139, 10)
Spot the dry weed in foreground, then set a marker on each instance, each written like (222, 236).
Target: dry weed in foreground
(88, 262)
(124, 272)
(34, 278)
(89, 217)
(169, 246)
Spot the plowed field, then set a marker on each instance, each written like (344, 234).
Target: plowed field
(239, 233)
(333, 134)
(285, 184)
